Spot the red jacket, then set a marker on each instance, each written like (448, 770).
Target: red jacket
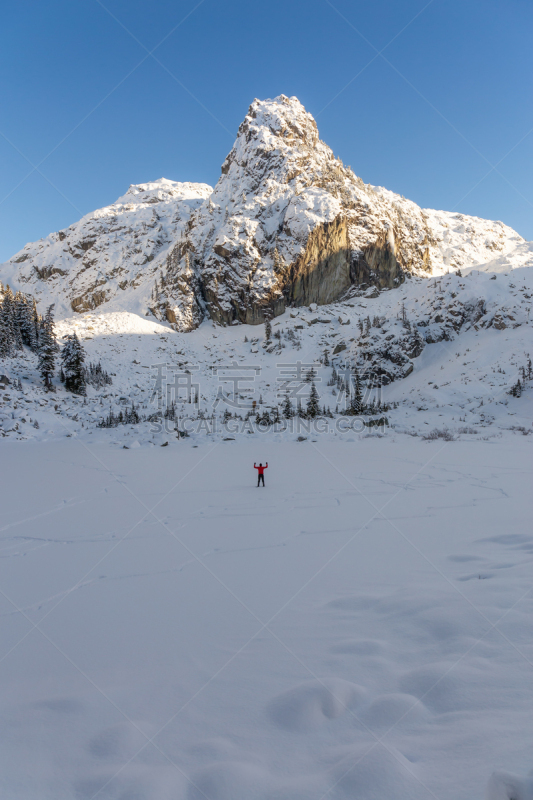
(261, 469)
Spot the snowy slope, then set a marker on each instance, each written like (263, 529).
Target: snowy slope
(474, 336)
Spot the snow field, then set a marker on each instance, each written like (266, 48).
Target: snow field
(456, 383)
(359, 628)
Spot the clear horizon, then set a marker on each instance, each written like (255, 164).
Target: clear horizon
(428, 100)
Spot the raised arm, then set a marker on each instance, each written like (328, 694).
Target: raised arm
(266, 465)
(255, 466)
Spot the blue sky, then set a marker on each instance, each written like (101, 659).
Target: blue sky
(430, 99)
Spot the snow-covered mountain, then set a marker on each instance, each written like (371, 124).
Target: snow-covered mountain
(113, 254)
(286, 225)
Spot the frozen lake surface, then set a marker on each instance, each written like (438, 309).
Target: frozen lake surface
(361, 628)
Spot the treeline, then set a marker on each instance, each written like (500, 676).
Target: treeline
(22, 326)
(130, 416)
(526, 374)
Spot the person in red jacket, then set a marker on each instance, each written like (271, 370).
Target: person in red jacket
(261, 472)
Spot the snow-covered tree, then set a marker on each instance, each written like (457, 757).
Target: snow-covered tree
(8, 338)
(356, 402)
(72, 365)
(47, 347)
(288, 408)
(313, 407)
(25, 321)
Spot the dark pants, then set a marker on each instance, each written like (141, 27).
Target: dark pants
(260, 478)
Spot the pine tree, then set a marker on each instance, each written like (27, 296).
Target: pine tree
(8, 343)
(47, 347)
(24, 316)
(288, 408)
(72, 365)
(356, 403)
(313, 407)
(268, 330)
(36, 325)
(326, 358)
(17, 336)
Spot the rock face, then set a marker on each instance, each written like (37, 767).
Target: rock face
(286, 225)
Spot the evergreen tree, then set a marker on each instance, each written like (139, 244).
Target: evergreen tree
(5, 337)
(36, 325)
(313, 407)
(17, 336)
(8, 343)
(24, 317)
(326, 358)
(288, 408)
(72, 365)
(47, 347)
(356, 403)
(268, 330)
